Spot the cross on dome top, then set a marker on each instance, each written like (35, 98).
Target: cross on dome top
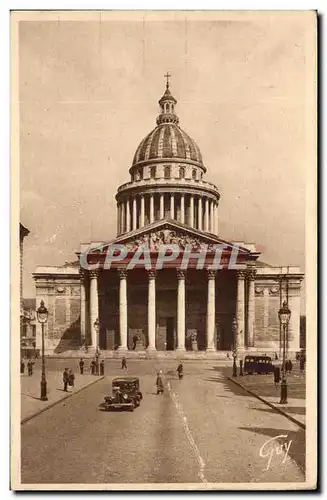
(167, 75)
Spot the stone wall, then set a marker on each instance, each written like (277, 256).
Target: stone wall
(61, 295)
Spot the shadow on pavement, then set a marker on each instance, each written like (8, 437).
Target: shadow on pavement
(30, 396)
(297, 448)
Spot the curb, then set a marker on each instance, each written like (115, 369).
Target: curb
(51, 405)
(274, 407)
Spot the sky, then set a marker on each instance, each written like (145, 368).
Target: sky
(88, 94)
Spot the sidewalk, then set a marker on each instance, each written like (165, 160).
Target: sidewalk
(31, 404)
(262, 386)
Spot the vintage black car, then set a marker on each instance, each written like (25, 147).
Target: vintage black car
(258, 364)
(126, 394)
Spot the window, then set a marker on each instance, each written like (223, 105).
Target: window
(140, 176)
(167, 172)
(194, 174)
(172, 108)
(181, 172)
(153, 172)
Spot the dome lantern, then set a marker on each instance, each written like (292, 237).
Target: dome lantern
(167, 104)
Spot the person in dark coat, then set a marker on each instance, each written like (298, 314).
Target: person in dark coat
(81, 366)
(30, 368)
(65, 379)
(22, 367)
(123, 363)
(102, 367)
(276, 375)
(302, 364)
(290, 365)
(180, 370)
(92, 367)
(71, 378)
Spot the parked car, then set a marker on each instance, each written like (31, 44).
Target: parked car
(126, 394)
(258, 364)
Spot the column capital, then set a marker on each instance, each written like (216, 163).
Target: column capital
(251, 273)
(211, 275)
(94, 273)
(241, 274)
(181, 274)
(82, 274)
(122, 274)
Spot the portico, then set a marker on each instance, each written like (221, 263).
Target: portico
(191, 301)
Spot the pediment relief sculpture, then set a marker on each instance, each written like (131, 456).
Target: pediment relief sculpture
(168, 237)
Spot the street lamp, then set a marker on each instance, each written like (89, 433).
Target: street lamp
(42, 317)
(96, 325)
(234, 330)
(284, 315)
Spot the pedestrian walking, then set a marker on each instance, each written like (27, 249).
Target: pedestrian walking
(92, 367)
(290, 366)
(65, 378)
(302, 363)
(30, 368)
(81, 366)
(180, 371)
(276, 375)
(159, 383)
(71, 378)
(22, 367)
(102, 367)
(123, 363)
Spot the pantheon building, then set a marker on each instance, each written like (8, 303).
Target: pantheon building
(168, 309)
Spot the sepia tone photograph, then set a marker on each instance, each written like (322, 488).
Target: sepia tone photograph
(163, 219)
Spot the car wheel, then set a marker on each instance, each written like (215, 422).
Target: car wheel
(131, 408)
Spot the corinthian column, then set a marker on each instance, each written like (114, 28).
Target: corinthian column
(240, 308)
(212, 222)
(162, 207)
(118, 219)
(206, 215)
(181, 310)
(191, 212)
(152, 311)
(182, 208)
(251, 307)
(128, 216)
(200, 214)
(151, 208)
(211, 312)
(123, 309)
(122, 218)
(94, 305)
(83, 320)
(134, 213)
(142, 211)
(172, 206)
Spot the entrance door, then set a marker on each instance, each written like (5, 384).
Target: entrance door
(170, 333)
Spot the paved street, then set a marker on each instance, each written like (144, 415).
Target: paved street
(201, 430)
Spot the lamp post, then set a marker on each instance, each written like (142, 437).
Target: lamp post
(284, 316)
(234, 330)
(97, 329)
(42, 317)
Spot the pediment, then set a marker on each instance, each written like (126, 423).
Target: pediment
(167, 232)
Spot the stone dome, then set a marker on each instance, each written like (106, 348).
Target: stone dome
(168, 140)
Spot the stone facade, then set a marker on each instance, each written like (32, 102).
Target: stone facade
(170, 308)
